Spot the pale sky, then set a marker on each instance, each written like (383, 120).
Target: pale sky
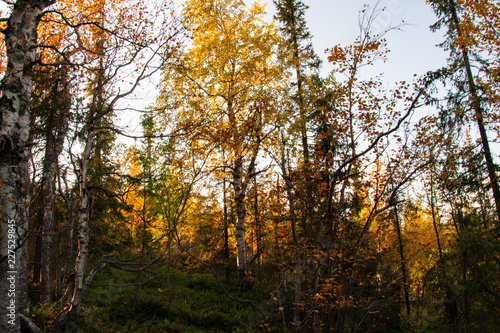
(413, 50)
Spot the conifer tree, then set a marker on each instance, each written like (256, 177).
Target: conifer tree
(460, 70)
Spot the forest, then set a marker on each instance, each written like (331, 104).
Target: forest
(190, 168)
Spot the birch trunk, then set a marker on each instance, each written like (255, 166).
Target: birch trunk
(239, 199)
(240, 183)
(226, 232)
(20, 37)
(78, 289)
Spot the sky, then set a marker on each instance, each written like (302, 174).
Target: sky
(413, 49)
(331, 22)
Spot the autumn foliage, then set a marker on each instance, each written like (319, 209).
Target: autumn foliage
(190, 169)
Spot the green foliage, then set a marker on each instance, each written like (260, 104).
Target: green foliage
(42, 315)
(186, 303)
(293, 25)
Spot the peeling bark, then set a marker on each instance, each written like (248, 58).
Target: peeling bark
(20, 38)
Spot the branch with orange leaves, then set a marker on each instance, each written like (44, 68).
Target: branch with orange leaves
(382, 135)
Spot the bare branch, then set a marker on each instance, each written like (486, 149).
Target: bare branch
(384, 134)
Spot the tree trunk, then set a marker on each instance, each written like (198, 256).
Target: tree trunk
(258, 231)
(74, 296)
(37, 256)
(239, 198)
(303, 130)
(435, 221)
(403, 262)
(478, 112)
(20, 37)
(83, 225)
(298, 250)
(240, 181)
(240, 184)
(53, 148)
(226, 231)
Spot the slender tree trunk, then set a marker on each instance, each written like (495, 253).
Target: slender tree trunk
(464, 240)
(478, 112)
(226, 231)
(239, 199)
(83, 225)
(20, 37)
(403, 262)
(290, 16)
(298, 260)
(298, 250)
(435, 222)
(69, 254)
(465, 268)
(282, 274)
(53, 148)
(37, 256)
(303, 133)
(258, 237)
(449, 300)
(47, 222)
(450, 296)
(59, 274)
(75, 292)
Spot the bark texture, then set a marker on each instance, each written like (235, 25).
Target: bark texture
(240, 184)
(74, 294)
(478, 110)
(54, 146)
(296, 241)
(20, 38)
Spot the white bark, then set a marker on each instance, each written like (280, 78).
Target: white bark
(240, 184)
(76, 291)
(239, 197)
(20, 38)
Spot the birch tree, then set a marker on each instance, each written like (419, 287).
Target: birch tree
(20, 38)
(117, 52)
(220, 90)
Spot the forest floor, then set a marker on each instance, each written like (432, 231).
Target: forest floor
(175, 302)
